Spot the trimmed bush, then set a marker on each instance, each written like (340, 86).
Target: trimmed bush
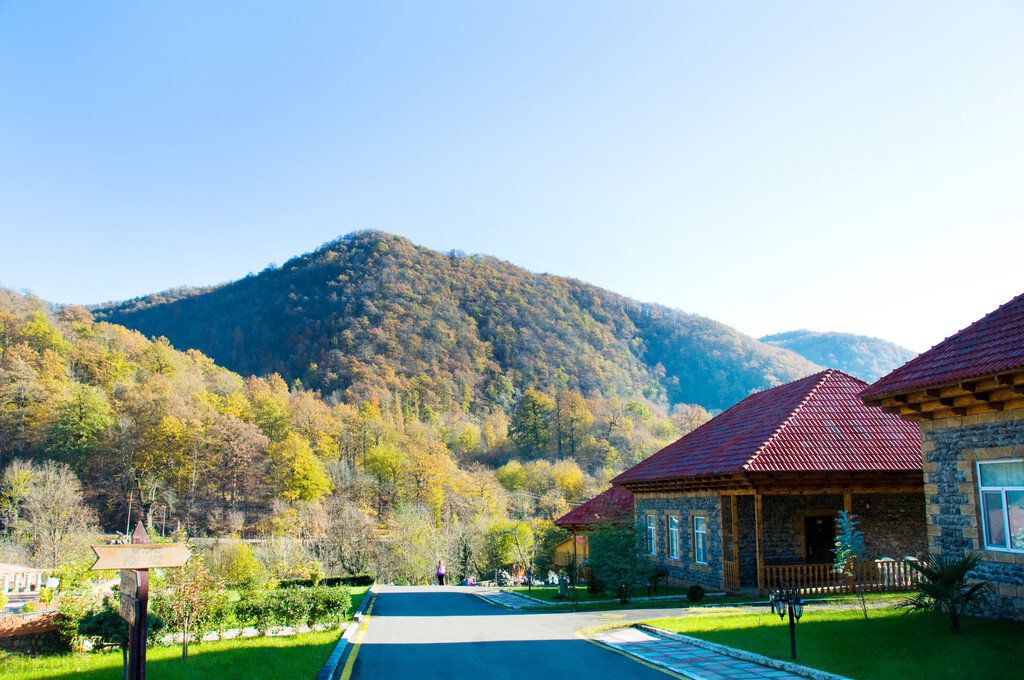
(356, 580)
(695, 593)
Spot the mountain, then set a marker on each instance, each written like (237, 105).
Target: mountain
(865, 357)
(371, 313)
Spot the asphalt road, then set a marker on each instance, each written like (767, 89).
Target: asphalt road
(435, 632)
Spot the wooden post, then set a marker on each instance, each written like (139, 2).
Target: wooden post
(758, 521)
(735, 533)
(138, 629)
(848, 503)
(135, 560)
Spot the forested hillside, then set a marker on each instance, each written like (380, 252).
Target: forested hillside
(387, 483)
(372, 315)
(865, 357)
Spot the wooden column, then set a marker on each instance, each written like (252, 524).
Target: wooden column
(760, 542)
(848, 503)
(735, 532)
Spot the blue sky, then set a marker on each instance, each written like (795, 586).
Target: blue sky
(834, 166)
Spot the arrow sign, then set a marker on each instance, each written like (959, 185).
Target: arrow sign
(140, 556)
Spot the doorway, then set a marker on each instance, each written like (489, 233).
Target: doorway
(819, 539)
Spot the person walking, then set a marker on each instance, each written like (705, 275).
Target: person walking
(440, 573)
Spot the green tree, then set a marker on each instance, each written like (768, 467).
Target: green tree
(530, 429)
(946, 587)
(512, 476)
(618, 558)
(82, 417)
(190, 600)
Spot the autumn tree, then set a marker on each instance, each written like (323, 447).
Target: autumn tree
(54, 516)
(295, 472)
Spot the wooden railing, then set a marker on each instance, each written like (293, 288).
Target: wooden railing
(882, 576)
(730, 576)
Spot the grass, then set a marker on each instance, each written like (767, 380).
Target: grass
(677, 598)
(550, 593)
(358, 593)
(888, 645)
(264, 658)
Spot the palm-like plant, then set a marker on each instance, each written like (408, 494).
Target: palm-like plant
(945, 586)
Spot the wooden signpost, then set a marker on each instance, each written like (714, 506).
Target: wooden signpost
(135, 561)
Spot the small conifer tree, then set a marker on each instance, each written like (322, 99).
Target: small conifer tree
(849, 552)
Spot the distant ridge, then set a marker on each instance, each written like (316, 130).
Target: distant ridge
(371, 311)
(865, 357)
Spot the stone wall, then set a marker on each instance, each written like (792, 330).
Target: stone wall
(951, 448)
(33, 634)
(893, 526)
(685, 570)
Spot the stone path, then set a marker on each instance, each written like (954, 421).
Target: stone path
(704, 662)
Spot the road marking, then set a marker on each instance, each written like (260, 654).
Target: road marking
(346, 673)
(637, 659)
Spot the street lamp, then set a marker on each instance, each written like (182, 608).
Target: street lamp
(786, 598)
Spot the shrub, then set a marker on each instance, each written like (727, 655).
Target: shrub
(106, 627)
(695, 593)
(29, 607)
(290, 606)
(328, 605)
(945, 586)
(73, 606)
(256, 611)
(353, 580)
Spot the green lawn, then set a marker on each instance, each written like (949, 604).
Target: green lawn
(358, 593)
(585, 599)
(265, 658)
(888, 645)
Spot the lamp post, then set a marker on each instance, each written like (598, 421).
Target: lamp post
(786, 598)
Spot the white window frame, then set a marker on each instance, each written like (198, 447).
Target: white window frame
(673, 537)
(987, 516)
(652, 536)
(700, 539)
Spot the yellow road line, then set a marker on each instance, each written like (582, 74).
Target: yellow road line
(346, 673)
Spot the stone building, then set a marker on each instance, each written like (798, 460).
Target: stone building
(750, 498)
(967, 393)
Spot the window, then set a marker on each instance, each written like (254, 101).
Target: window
(652, 543)
(673, 537)
(700, 540)
(1002, 504)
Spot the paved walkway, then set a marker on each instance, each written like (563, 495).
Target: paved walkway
(700, 662)
(694, 659)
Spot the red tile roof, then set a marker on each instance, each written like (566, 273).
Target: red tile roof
(613, 504)
(992, 345)
(815, 424)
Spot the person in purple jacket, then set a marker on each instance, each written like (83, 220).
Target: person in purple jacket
(440, 573)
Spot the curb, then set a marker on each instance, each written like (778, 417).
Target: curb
(788, 666)
(333, 663)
